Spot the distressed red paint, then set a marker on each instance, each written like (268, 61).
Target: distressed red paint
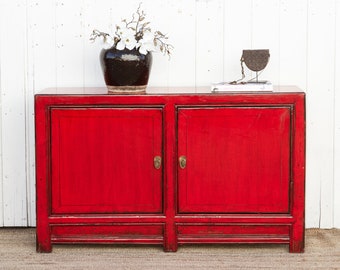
(97, 181)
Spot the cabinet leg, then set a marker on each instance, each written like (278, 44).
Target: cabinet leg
(43, 239)
(297, 239)
(296, 247)
(170, 248)
(44, 247)
(170, 238)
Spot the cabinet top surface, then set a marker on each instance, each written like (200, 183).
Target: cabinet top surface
(150, 91)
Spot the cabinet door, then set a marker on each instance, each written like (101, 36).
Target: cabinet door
(103, 160)
(237, 159)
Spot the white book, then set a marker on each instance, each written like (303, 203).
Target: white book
(250, 86)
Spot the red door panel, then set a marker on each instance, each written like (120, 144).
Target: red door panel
(238, 159)
(103, 160)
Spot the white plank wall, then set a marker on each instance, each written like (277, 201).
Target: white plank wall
(13, 55)
(336, 161)
(45, 43)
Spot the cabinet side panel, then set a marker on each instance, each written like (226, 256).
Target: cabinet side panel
(103, 160)
(238, 159)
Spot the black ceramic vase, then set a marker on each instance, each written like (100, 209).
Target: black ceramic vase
(125, 71)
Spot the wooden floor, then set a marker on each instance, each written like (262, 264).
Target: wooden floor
(17, 251)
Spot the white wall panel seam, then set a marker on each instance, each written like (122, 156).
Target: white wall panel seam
(30, 155)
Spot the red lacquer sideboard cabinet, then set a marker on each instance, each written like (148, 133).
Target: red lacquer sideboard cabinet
(170, 169)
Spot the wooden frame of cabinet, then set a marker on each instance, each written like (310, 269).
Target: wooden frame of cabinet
(171, 219)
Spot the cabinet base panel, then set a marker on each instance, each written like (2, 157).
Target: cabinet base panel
(156, 234)
(295, 248)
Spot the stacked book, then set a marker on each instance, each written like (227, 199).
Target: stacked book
(248, 86)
